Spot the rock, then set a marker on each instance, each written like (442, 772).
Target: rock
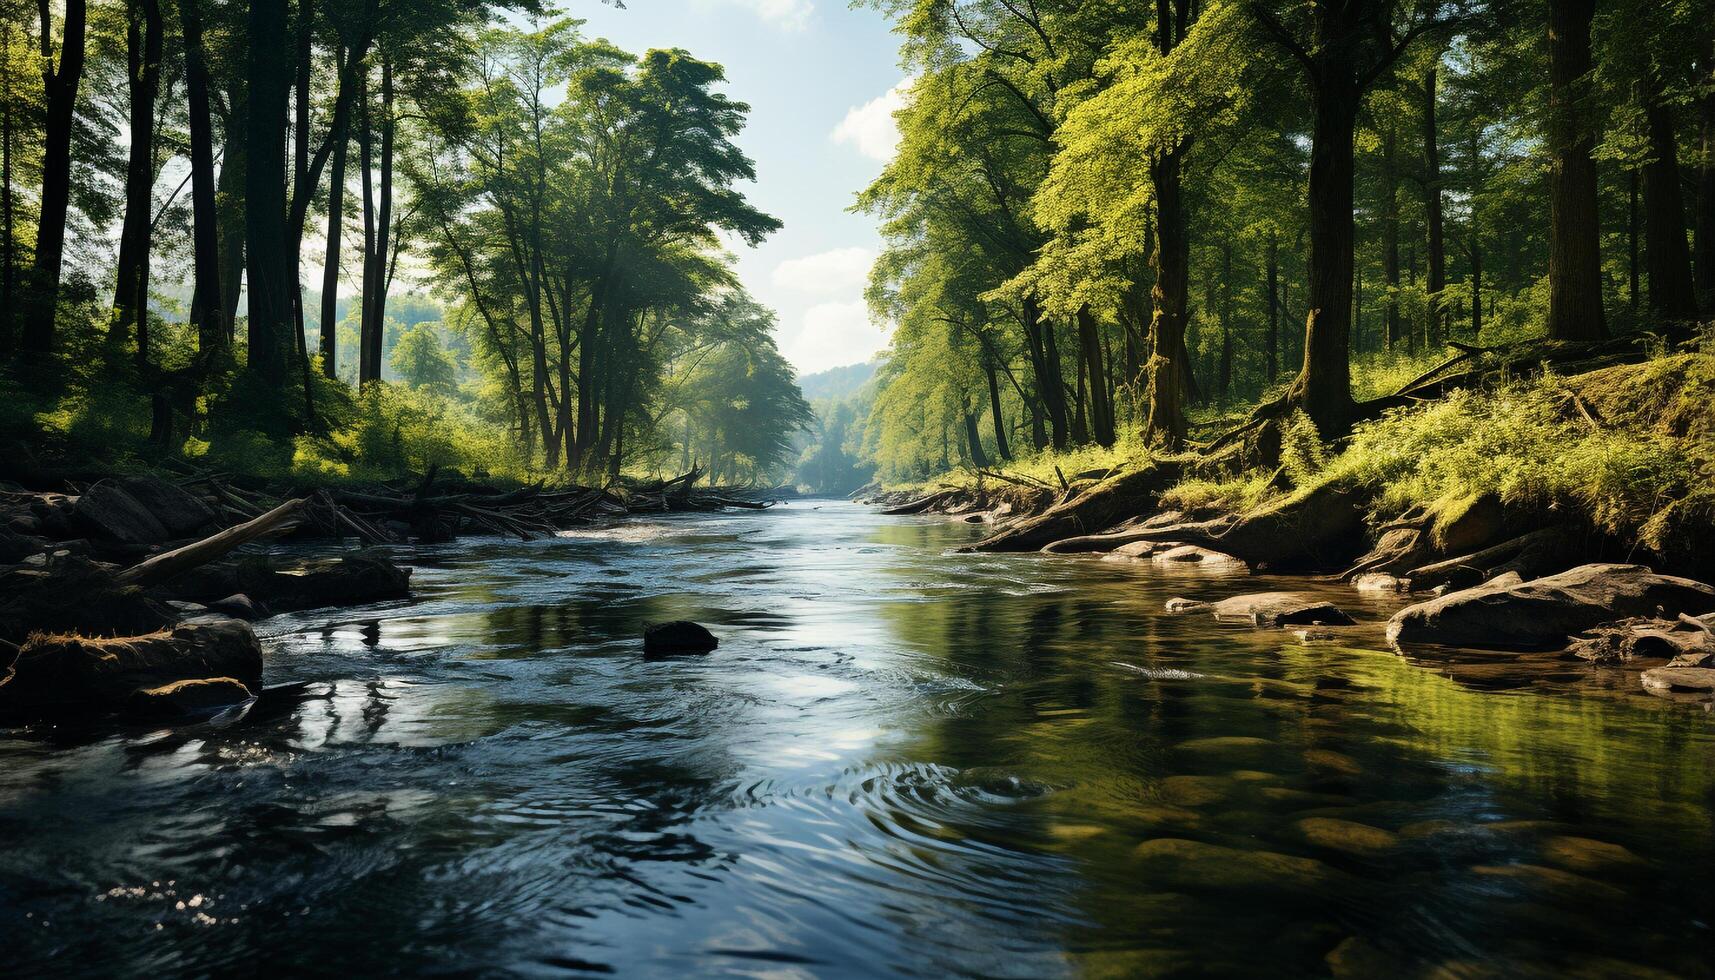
(1190, 791)
(238, 606)
(188, 699)
(350, 580)
(1224, 743)
(1662, 680)
(107, 511)
(1177, 606)
(1171, 862)
(1378, 582)
(1315, 635)
(1202, 559)
(1137, 550)
(1331, 761)
(182, 514)
(1346, 835)
(73, 674)
(68, 594)
(1280, 609)
(1543, 612)
(680, 636)
(15, 547)
(1586, 854)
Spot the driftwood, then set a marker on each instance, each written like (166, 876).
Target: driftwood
(165, 566)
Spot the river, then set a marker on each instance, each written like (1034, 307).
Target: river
(900, 761)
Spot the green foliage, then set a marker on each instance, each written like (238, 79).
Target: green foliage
(420, 361)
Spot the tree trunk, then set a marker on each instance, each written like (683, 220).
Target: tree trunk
(8, 261)
(1323, 388)
(1390, 235)
(1271, 347)
(229, 200)
(1432, 210)
(1101, 403)
(366, 371)
(1167, 370)
(1633, 292)
(383, 222)
(1574, 257)
(207, 313)
(974, 440)
(270, 286)
(143, 73)
(1000, 443)
(1045, 362)
(1226, 366)
(1476, 284)
(1671, 292)
(330, 271)
(1705, 221)
(60, 90)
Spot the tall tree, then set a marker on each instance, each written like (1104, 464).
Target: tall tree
(143, 73)
(1574, 260)
(60, 86)
(207, 311)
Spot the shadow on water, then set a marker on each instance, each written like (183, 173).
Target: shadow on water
(901, 760)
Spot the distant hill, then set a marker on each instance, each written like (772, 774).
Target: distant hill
(837, 382)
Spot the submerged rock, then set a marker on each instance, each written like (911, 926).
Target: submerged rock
(1346, 835)
(55, 675)
(1543, 612)
(1178, 863)
(1201, 559)
(238, 606)
(679, 636)
(1280, 609)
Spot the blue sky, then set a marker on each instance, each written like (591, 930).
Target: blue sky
(822, 81)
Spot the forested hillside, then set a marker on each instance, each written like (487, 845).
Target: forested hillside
(357, 239)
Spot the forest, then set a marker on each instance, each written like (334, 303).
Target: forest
(347, 240)
(1123, 227)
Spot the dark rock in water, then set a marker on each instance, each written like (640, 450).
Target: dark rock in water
(72, 674)
(680, 636)
(182, 514)
(350, 580)
(108, 512)
(1543, 612)
(238, 606)
(74, 595)
(15, 547)
(1280, 609)
(1201, 559)
(188, 699)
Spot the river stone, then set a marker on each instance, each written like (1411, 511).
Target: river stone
(1202, 559)
(238, 606)
(1178, 863)
(1280, 609)
(107, 511)
(1332, 761)
(1586, 854)
(1378, 582)
(1195, 790)
(679, 636)
(182, 514)
(1137, 550)
(70, 674)
(188, 699)
(1662, 680)
(1177, 606)
(1543, 612)
(1346, 835)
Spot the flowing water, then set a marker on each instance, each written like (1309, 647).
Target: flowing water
(901, 760)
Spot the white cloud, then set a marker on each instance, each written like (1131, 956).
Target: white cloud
(841, 270)
(870, 127)
(787, 15)
(832, 335)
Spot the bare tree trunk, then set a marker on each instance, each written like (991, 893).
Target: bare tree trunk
(1323, 388)
(366, 370)
(8, 262)
(330, 271)
(1000, 442)
(1671, 292)
(1633, 291)
(271, 303)
(1101, 402)
(1574, 257)
(974, 440)
(1271, 347)
(1432, 208)
(229, 200)
(60, 85)
(1390, 235)
(207, 313)
(143, 73)
(1167, 369)
(1705, 221)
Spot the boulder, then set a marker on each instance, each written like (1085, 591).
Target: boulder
(1280, 609)
(108, 512)
(238, 606)
(679, 636)
(182, 514)
(68, 594)
(1137, 551)
(1543, 612)
(188, 699)
(1201, 559)
(1662, 680)
(56, 675)
(1377, 582)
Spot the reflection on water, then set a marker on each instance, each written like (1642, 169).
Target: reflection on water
(900, 760)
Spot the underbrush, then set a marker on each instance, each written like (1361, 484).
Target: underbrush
(1628, 452)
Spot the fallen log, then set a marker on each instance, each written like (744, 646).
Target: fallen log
(165, 566)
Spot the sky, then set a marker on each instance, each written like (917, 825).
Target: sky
(822, 81)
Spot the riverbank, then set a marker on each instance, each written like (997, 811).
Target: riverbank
(1577, 500)
(130, 594)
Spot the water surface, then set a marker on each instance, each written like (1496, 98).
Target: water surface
(901, 761)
